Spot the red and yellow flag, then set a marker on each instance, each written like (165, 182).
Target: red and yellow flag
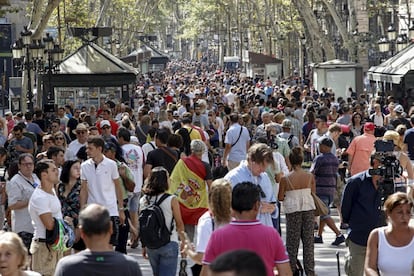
(188, 184)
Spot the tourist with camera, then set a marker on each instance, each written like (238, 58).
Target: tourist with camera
(361, 209)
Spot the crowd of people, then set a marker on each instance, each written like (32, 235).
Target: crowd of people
(228, 155)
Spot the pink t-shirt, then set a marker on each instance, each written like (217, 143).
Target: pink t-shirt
(250, 235)
(361, 149)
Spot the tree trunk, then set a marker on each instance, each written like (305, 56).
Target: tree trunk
(317, 39)
(36, 15)
(348, 41)
(40, 27)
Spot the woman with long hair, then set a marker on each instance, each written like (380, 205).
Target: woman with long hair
(218, 215)
(127, 123)
(333, 114)
(356, 125)
(295, 193)
(142, 128)
(68, 191)
(163, 260)
(163, 119)
(60, 140)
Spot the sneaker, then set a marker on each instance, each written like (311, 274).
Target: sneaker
(344, 226)
(134, 243)
(317, 239)
(338, 240)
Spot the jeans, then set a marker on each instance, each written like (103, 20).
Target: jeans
(164, 260)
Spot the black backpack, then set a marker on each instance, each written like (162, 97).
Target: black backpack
(153, 231)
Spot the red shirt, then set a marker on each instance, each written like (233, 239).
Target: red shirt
(114, 127)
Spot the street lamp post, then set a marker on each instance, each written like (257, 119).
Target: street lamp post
(394, 42)
(23, 50)
(303, 42)
(54, 58)
(29, 55)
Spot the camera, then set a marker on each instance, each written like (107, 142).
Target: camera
(272, 142)
(390, 169)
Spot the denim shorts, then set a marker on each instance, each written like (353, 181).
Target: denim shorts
(133, 204)
(327, 199)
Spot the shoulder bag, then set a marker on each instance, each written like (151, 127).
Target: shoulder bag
(241, 130)
(320, 208)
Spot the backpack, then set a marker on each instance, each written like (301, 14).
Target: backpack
(62, 237)
(289, 140)
(153, 231)
(185, 134)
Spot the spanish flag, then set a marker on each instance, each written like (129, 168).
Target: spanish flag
(188, 184)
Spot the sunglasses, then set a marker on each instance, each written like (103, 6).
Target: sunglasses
(81, 132)
(105, 127)
(58, 138)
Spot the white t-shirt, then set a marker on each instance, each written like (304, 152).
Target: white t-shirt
(147, 147)
(134, 157)
(101, 186)
(73, 149)
(204, 231)
(41, 203)
(230, 98)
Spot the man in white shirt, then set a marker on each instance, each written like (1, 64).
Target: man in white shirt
(81, 132)
(44, 207)
(19, 190)
(134, 157)
(237, 142)
(230, 96)
(100, 184)
(377, 117)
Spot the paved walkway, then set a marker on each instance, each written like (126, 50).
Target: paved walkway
(325, 254)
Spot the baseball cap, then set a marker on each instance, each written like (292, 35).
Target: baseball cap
(175, 113)
(369, 126)
(399, 109)
(105, 123)
(287, 123)
(110, 146)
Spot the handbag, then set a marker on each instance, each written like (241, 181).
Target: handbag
(320, 208)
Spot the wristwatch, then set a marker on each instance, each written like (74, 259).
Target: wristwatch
(122, 209)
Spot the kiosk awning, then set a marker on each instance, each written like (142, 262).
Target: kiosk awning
(395, 68)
